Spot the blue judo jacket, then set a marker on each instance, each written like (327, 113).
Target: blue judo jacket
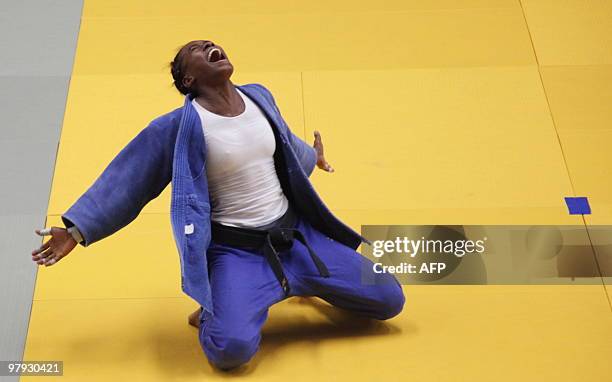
(172, 148)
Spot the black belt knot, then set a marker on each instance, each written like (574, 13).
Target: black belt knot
(274, 240)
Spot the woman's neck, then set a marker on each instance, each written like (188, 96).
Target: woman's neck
(222, 99)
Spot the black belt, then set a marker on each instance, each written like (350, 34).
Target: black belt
(274, 239)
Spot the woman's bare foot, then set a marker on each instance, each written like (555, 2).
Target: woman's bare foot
(194, 318)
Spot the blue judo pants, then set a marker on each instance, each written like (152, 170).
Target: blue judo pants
(244, 286)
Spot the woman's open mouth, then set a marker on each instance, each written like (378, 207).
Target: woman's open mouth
(215, 54)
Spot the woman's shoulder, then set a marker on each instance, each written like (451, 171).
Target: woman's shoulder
(255, 86)
(165, 126)
(169, 119)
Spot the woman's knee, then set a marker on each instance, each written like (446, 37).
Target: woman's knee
(391, 298)
(229, 353)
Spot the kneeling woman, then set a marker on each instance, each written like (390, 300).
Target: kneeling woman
(271, 237)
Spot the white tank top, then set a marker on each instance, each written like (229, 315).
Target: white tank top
(242, 180)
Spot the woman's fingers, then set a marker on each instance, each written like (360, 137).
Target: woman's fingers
(42, 258)
(52, 259)
(43, 255)
(43, 232)
(38, 252)
(41, 248)
(318, 145)
(327, 167)
(323, 165)
(49, 257)
(56, 248)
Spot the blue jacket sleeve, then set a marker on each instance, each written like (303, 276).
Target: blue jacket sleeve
(306, 154)
(138, 174)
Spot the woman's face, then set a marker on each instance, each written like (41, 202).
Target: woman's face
(204, 63)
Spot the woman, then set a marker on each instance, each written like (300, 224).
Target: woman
(249, 227)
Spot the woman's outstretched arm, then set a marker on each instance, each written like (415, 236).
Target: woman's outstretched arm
(138, 174)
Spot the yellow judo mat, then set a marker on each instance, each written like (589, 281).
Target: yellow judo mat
(436, 111)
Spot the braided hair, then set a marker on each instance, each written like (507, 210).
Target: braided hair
(176, 68)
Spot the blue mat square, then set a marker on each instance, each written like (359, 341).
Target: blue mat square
(578, 205)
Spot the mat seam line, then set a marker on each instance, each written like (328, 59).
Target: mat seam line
(563, 152)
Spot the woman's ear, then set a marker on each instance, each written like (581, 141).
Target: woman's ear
(188, 81)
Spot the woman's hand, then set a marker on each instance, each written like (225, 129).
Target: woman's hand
(321, 162)
(56, 248)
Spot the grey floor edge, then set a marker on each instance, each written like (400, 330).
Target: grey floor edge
(38, 39)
